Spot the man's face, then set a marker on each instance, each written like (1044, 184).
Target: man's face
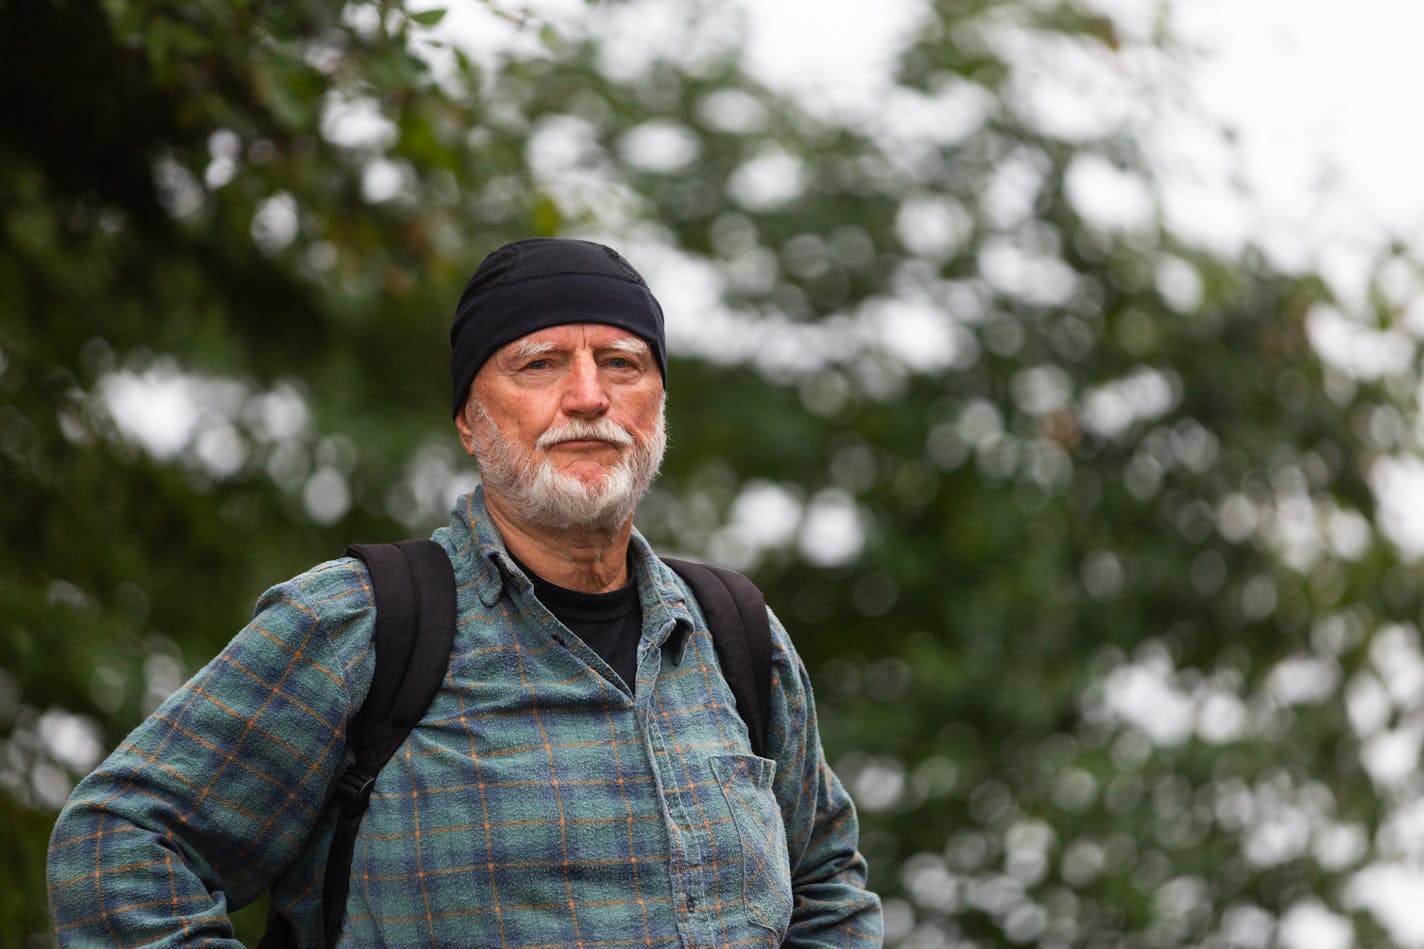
(567, 425)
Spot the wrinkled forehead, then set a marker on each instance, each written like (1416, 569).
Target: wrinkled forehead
(570, 337)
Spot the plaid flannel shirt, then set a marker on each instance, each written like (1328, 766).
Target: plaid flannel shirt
(538, 804)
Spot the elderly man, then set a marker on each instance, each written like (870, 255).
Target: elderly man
(582, 776)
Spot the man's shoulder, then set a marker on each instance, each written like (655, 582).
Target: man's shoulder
(341, 585)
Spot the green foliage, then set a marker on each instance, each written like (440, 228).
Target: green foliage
(267, 212)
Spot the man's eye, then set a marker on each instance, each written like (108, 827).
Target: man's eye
(539, 364)
(624, 362)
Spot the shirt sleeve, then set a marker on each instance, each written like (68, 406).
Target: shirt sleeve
(209, 799)
(831, 905)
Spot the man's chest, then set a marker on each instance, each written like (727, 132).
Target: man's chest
(535, 780)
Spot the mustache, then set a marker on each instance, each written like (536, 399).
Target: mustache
(577, 429)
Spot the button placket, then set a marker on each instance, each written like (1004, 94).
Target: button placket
(686, 852)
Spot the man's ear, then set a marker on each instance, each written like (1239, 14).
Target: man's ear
(466, 429)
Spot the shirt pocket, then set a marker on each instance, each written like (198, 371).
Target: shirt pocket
(766, 867)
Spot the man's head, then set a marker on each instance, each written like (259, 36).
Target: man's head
(563, 407)
(540, 282)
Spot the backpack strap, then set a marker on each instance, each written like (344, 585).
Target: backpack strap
(736, 616)
(414, 590)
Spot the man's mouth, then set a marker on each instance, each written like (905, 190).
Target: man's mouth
(584, 443)
(585, 437)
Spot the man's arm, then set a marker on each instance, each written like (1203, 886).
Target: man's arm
(831, 906)
(211, 797)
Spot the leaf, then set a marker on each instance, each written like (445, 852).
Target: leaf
(429, 17)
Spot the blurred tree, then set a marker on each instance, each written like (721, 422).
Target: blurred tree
(1077, 524)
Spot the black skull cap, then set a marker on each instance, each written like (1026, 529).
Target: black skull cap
(532, 284)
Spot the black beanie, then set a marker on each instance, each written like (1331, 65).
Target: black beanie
(540, 282)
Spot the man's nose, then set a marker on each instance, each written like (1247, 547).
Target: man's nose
(585, 395)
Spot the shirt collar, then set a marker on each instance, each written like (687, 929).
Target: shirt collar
(480, 560)
(665, 606)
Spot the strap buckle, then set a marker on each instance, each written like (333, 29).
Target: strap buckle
(355, 787)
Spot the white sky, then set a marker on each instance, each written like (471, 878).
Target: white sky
(1315, 82)
(1323, 97)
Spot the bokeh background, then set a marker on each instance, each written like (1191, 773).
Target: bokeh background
(1071, 428)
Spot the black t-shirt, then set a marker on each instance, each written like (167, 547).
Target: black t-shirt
(610, 623)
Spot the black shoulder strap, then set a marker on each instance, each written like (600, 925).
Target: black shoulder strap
(736, 616)
(414, 589)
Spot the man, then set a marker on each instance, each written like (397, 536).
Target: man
(582, 778)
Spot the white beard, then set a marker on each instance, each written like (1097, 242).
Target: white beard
(542, 495)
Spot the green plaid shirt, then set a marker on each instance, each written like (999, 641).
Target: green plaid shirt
(538, 804)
